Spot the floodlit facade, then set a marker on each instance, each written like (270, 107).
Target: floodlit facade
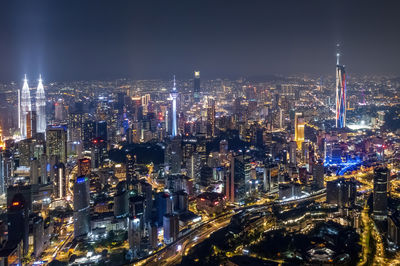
(25, 108)
(174, 95)
(340, 94)
(299, 129)
(40, 107)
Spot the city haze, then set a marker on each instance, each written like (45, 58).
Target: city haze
(84, 40)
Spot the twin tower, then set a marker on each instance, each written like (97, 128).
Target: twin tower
(30, 121)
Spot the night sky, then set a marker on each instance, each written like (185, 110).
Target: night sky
(83, 40)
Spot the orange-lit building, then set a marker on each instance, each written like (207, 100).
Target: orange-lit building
(299, 129)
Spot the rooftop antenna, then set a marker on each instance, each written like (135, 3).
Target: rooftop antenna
(337, 53)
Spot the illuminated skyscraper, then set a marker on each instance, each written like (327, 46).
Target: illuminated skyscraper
(25, 107)
(230, 181)
(32, 123)
(3, 173)
(28, 118)
(59, 110)
(299, 129)
(196, 86)
(134, 234)
(130, 169)
(380, 201)
(174, 95)
(84, 167)
(171, 227)
(57, 143)
(174, 155)
(81, 206)
(60, 181)
(40, 107)
(121, 201)
(211, 118)
(292, 153)
(340, 94)
(19, 109)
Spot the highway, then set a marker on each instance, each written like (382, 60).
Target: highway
(65, 233)
(53, 250)
(171, 253)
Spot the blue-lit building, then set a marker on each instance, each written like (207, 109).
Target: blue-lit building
(81, 206)
(163, 206)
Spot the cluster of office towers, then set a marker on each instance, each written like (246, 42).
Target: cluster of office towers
(31, 121)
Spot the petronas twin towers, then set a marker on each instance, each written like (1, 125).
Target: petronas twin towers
(26, 116)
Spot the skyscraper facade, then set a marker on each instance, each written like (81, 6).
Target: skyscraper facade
(32, 123)
(340, 94)
(60, 181)
(28, 118)
(381, 175)
(130, 170)
(211, 118)
(134, 234)
(174, 155)
(171, 227)
(341, 192)
(25, 108)
(57, 143)
(84, 166)
(292, 153)
(40, 107)
(196, 86)
(299, 129)
(81, 207)
(59, 111)
(318, 175)
(174, 95)
(3, 173)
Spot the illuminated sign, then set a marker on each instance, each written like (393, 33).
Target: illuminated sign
(81, 180)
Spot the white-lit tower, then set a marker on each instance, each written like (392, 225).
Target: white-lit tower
(25, 107)
(19, 109)
(40, 107)
(174, 95)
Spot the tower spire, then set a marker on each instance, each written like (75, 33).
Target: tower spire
(337, 53)
(25, 108)
(341, 91)
(40, 107)
(174, 95)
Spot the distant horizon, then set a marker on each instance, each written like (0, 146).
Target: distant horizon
(254, 78)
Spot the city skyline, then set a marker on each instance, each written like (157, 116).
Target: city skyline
(199, 133)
